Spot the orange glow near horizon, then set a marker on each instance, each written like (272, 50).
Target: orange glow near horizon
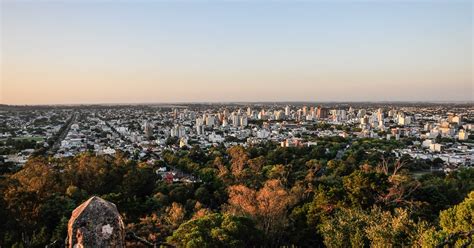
(96, 52)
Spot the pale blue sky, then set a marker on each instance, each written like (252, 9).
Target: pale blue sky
(165, 51)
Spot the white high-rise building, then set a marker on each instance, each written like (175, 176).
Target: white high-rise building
(279, 115)
(199, 129)
(199, 122)
(287, 111)
(243, 121)
(199, 126)
(404, 120)
(401, 120)
(380, 115)
(148, 129)
(341, 114)
(235, 120)
(178, 131)
(254, 115)
(210, 121)
(226, 113)
(392, 113)
(174, 131)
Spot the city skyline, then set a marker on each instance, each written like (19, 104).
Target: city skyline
(95, 52)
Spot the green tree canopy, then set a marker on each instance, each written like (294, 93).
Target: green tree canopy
(216, 230)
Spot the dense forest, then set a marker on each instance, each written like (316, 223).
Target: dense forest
(259, 196)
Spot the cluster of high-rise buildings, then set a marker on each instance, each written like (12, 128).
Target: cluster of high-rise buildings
(145, 131)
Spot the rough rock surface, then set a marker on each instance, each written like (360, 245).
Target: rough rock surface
(96, 223)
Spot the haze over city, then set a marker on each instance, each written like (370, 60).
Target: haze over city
(236, 123)
(62, 52)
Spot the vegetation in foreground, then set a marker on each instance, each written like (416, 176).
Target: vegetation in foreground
(259, 196)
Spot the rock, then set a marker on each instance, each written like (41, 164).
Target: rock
(96, 223)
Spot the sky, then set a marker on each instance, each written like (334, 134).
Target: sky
(88, 52)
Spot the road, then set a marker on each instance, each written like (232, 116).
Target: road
(60, 137)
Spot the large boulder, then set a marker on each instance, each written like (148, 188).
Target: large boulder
(96, 223)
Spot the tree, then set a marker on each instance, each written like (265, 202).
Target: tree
(385, 229)
(223, 171)
(280, 172)
(364, 188)
(267, 206)
(35, 202)
(94, 174)
(151, 227)
(400, 191)
(138, 181)
(256, 164)
(438, 194)
(345, 228)
(375, 228)
(175, 214)
(239, 160)
(170, 141)
(216, 230)
(29, 189)
(75, 193)
(457, 226)
(401, 185)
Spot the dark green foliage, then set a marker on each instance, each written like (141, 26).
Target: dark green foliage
(217, 230)
(336, 186)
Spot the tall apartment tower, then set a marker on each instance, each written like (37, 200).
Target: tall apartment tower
(287, 111)
(148, 129)
(322, 113)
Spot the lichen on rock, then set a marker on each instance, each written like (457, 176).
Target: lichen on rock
(96, 223)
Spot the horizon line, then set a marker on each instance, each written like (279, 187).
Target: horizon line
(238, 102)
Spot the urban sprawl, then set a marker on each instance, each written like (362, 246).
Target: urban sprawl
(440, 132)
